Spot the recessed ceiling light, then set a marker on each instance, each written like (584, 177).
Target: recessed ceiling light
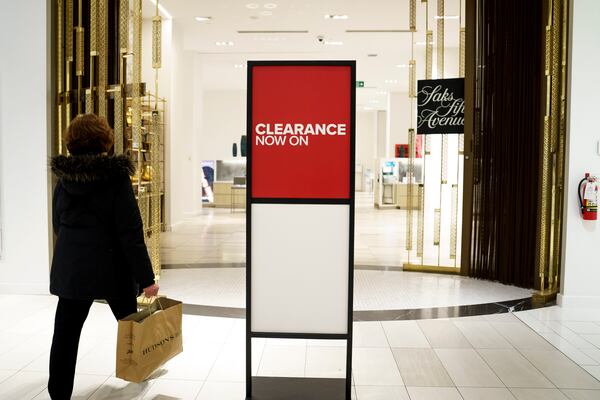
(270, 6)
(240, 66)
(335, 16)
(333, 43)
(446, 17)
(381, 92)
(391, 81)
(401, 65)
(252, 6)
(203, 19)
(266, 13)
(224, 43)
(372, 55)
(368, 108)
(374, 101)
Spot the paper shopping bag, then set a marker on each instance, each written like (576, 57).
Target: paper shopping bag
(148, 339)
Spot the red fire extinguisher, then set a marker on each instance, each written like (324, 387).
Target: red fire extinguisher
(588, 197)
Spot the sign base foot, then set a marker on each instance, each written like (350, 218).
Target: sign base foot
(267, 388)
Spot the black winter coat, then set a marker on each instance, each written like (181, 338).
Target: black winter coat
(100, 251)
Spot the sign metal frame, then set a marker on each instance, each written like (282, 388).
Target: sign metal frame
(350, 201)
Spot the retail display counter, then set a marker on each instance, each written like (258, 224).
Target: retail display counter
(229, 195)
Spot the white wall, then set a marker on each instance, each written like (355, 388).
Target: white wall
(398, 121)
(381, 134)
(366, 139)
(581, 265)
(24, 147)
(181, 170)
(223, 123)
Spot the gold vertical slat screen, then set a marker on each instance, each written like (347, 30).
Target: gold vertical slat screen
(454, 222)
(102, 57)
(409, 190)
(59, 73)
(413, 15)
(412, 78)
(437, 226)
(156, 42)
(429, 55)
(440, 39)
(79, 57)
(421, 223)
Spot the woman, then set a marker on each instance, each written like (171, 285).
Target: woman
(100, 251)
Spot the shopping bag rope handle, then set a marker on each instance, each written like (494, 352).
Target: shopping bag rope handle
(151, 300)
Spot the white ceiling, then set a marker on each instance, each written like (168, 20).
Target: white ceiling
(231, 17)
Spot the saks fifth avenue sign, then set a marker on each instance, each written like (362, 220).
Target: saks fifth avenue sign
(441, 106)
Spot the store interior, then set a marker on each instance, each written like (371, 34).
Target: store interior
(205, 48)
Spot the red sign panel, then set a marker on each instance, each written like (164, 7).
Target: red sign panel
(301, 131)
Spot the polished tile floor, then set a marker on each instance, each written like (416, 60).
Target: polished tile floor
(219, 236)
(373, 290)
(549, 353)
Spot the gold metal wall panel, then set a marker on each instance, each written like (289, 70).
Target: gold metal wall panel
(412, 78)
(93, 27)
(156, 188)
(437, 226)
(69, 27)
(156, 42)
(454, 222)
(124, 26)
(440, 39)
(119, 121)
(413, 15)
(461, 144)
(89, 103)
(137, 77)
(102, 57)
(429, 55)
(60, 37)
(80, 57)
(427, 146)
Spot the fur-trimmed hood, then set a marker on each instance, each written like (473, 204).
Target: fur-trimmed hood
(91, 168)
(90, 173)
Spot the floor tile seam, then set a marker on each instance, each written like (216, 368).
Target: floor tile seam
(580, 336)
(40, 392)
(484, 361)
(436, 357)
(222, 347)
(525, 358)
(575, 347)
(520, 351)
(201, 389)
(561, 352)
(98, 388)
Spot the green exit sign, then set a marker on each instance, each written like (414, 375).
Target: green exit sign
(360, 84)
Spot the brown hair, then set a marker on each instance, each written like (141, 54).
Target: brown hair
(89, 134)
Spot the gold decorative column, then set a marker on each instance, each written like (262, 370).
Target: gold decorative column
(102, 48)
(60, 118)
(553, 151)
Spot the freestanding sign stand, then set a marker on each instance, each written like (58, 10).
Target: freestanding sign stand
(300, 215)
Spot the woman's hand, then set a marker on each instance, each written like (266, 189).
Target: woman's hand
(151, 291)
